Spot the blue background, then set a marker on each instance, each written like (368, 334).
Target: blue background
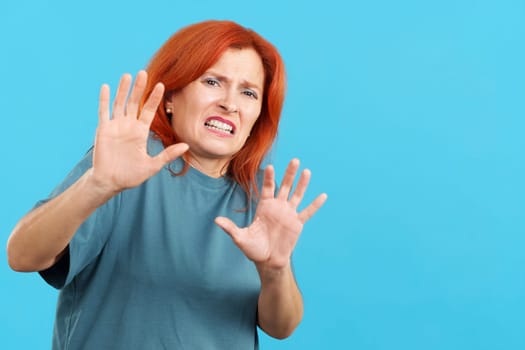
(410, 115)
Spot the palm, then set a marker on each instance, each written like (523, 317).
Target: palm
(270, 239)
(120, 156)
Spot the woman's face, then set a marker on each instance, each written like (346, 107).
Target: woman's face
(215, 113)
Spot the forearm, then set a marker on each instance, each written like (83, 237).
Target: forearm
(40, 238)
(280, 306)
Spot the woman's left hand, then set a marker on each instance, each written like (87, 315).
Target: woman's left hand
(270, 239)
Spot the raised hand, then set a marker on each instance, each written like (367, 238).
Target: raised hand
(270, 239)
(120, 157)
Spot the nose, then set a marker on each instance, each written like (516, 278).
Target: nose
(228, 104)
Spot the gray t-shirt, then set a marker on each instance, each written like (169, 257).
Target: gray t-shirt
(151, 270)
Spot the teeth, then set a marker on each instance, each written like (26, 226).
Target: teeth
(218, 125)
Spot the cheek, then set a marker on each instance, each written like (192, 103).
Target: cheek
(250, 122)
(252, 114)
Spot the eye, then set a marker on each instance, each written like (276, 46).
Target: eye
(211, 81)
(250, 93)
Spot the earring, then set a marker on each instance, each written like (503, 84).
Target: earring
(169, 111)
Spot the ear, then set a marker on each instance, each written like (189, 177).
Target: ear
(168, 100)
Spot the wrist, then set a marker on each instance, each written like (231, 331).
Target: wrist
(268, 273)
(98, 190)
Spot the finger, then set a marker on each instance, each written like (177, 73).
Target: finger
(132, 107)
(122, 93)
(229, 227)
(103, 105)
(152, 103)
(268, 188)
(288, 179)
(169, 154)
(301, 187)
(310, 210)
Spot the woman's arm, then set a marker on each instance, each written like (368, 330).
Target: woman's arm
(269, 242)
(280, 306)
(40, 238)
(120, 161)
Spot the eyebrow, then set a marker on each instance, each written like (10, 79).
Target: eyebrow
(244, 83)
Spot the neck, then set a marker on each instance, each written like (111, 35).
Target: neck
(212, 167)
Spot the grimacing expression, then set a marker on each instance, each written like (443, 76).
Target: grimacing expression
(215, 113)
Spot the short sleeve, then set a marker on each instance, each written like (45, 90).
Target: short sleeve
(90, 238)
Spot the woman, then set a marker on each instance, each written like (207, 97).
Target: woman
(132, 236)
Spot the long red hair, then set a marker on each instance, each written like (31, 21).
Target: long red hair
(188, 54)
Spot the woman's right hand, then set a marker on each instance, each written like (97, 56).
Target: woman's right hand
(120, 158)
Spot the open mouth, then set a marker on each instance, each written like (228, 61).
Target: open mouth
(219, 124)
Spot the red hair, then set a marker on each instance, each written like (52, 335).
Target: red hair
(194, 49)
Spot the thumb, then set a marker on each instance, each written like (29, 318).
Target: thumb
(228, 226)
(169, 154)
